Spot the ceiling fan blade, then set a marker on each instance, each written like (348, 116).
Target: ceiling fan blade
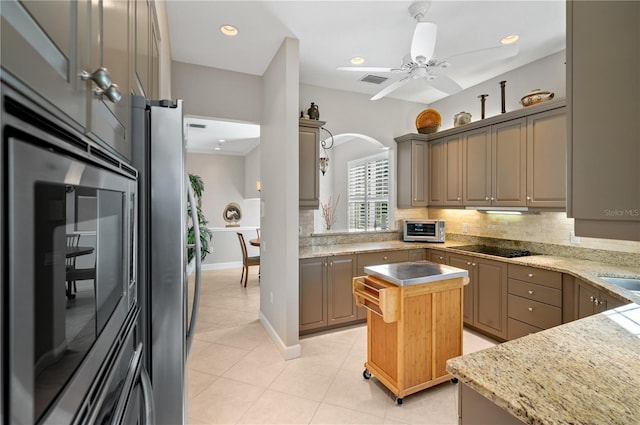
(424, 41)
(391, 87)
(365, 68)
(445, 84)
(489, 54)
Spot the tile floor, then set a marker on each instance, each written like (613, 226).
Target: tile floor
(237, 376)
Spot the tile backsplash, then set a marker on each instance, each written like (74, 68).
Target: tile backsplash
(545, 227)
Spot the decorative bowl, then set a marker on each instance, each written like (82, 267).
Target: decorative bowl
(461, 118)
(428, 129)
(427, 119)
(536, 96)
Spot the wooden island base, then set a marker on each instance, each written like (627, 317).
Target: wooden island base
(411, 331)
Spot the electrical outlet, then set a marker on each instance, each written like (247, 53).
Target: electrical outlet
(465, 227)
(573, 238)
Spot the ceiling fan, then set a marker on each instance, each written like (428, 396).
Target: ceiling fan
(420, 64)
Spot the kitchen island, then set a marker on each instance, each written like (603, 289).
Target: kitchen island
(583, 372)
(414, 323)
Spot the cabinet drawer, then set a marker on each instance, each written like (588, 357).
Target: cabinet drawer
(534, 275)
(378, 296)
(382, 257)
(534, 313)
(536, 292)
(517, 329)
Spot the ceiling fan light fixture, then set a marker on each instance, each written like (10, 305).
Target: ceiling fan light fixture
(510, 39)
(357, 60)
(229, 30)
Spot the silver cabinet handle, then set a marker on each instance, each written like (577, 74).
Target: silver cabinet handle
(473, 264)
(385, 257)
(530, 309)
(486, 198)
(459, 199)
(530, 292)
(112, 92)
(493, 199)
(102, 80)
(591, 298)
(528, 198)
(530, 275)
(468, 263)
(100, 76)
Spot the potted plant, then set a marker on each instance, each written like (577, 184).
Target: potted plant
(205, 234)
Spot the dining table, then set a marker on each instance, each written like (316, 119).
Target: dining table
(77, 251)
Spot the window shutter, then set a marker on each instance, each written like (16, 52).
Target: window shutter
(369, 195)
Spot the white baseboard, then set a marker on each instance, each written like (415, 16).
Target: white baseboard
(222, 266)
(288, 352)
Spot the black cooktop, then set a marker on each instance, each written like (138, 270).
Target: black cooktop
(494, 250)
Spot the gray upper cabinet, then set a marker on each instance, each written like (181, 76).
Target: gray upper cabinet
(477, 167)
(604, 153)
(445, 171)
(547, 159)
(508, 163)
(44, 47)
(412, 172)
(110, 50)
(309, 153)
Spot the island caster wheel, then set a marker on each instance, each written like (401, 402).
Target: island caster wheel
(454, 380)
(399, 401)
(366, 374)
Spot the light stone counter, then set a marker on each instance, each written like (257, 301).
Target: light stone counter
(583, 372)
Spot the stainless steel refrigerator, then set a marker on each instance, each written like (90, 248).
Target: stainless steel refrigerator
(164, 190)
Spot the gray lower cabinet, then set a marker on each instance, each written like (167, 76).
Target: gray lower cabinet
(475, 409)
(325, 292)
(534, 300)
(485, 296)
(604, 177)
(436, 256)
(590, 300)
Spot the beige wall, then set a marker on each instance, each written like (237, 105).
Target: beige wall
(547, 227)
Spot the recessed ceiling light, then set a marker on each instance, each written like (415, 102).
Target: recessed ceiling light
(229, 30)
(510, 39)
(357, 60)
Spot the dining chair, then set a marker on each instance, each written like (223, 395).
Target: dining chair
(258, 232)
(70, 262)
(247, 261)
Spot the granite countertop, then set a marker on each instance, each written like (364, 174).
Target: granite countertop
(415, 273)
(586, 270)
(583, 372)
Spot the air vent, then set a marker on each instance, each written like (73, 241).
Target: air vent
(192, 125)
(375, 79)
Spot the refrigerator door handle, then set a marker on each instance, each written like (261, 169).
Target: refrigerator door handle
(198, 258)
(147, 395)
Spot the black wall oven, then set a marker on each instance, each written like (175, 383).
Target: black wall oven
(70, 346)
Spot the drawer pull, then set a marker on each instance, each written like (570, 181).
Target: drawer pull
(385, 257)
(530, 292)
(530, 274)
(530, 309)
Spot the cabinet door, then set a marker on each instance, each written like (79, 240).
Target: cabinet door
(142, 63)
(509, 162)
(109, 49)
(419, 173)
(417, 254)
(468, 264)
(436, 173)
(342, 306)
(436, 256)
(44, 46)
(313, 293)
(607, 302)
(585, 298)
(604, 177)
(477, 167)
(547, 159)
(453, 153)
(491, 297)
(309, 178)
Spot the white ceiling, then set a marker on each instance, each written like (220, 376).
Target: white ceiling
(332, 32)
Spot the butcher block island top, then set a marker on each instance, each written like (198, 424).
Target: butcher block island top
(414, 323)
(583, 372)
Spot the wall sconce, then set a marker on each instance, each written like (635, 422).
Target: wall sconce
(324, 156)
(258, 185)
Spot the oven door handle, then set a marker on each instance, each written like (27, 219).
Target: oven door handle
(198, 258)
(129, 384)
(147, 394)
